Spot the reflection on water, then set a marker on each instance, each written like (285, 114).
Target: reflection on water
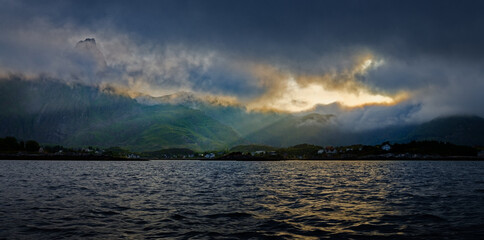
(227, 200)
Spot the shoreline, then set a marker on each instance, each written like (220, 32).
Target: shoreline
(66, 158)
(107, 158)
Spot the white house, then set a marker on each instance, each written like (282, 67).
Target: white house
(258, 153)
(210, 155)
(133, 156)
(386, 147)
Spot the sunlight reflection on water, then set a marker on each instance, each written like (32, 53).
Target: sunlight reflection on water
(226, 200)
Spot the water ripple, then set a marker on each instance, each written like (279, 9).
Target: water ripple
(241, 200)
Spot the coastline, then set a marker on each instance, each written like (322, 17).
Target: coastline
(255, 159)
(66, 157)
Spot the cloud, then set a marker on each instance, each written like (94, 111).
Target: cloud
(379, 62)
(289, 91)
(41, 47)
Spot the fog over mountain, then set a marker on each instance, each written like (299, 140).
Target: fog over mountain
(258, 69)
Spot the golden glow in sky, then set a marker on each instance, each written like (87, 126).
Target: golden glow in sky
(297, 98)
(291, 92)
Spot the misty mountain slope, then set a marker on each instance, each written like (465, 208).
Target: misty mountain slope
(235, 116)
(464, 130)
(78, 115)
(320, 130)
(51, 111)
(312, 128)
(240, 119)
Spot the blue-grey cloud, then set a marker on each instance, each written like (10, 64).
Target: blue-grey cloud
(431, 49)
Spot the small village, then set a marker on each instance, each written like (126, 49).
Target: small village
(10, 148)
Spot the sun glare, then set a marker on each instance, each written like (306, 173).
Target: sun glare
(298, 98)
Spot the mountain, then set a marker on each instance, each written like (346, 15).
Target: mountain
(229, 113)
(463, 130)
(291, 130)
(321, 130)
(90, 52)
(53, 112)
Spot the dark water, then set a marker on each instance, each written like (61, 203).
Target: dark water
(241, 200)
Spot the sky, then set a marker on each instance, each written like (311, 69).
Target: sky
(374, 63)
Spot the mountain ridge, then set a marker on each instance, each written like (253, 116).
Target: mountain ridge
(53, 112)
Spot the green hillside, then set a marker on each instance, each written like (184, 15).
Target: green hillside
(236, 116)
(157, 127)
(78, 115)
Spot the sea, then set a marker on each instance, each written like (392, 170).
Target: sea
(241, 200)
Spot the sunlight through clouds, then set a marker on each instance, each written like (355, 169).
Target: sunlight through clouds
(289, 92)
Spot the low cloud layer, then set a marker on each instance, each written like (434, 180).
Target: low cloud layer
(371, 64)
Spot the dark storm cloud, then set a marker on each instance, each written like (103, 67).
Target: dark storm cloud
(298, 30)
(307, 37)
(295, 29)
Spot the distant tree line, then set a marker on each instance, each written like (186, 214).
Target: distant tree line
(414, 149)
(10, 144)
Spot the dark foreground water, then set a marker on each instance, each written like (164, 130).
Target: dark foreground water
(241, 200)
